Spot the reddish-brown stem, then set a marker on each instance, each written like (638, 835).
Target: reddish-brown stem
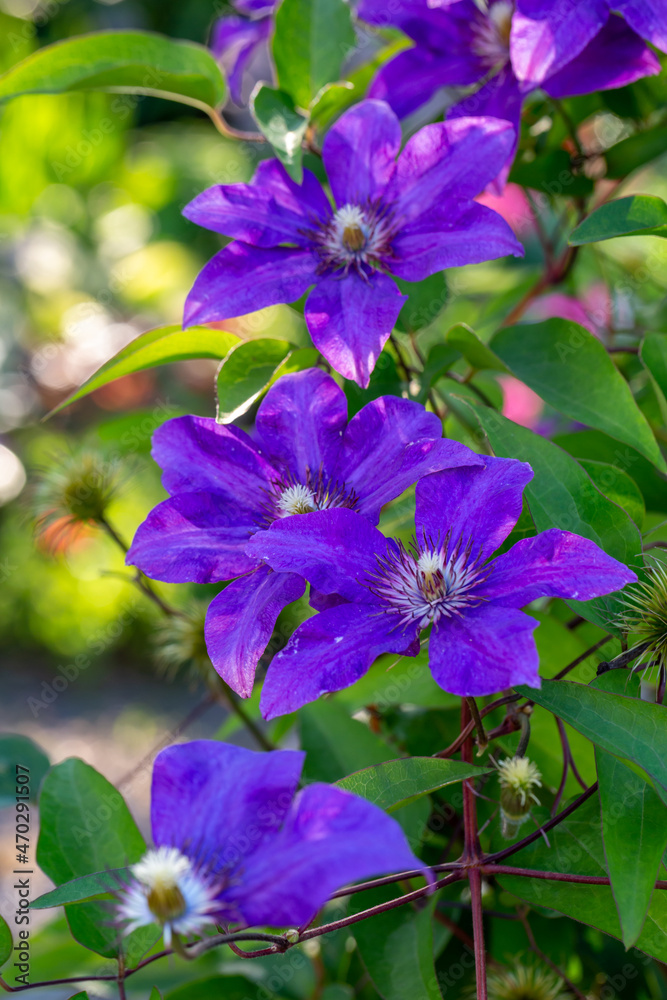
(491, 869)
(545, 958)
(472, 854)
(580, 659)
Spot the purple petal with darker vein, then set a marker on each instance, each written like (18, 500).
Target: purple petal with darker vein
(647, 17)
(546, 36)
(483, 651)
(333, 549)
(553, 564)
(453, 160)
(330, 839)
(197, 453)
(446, 32)
(359, 152)
(616, 57)
(240, 623)
(254, 8)
(500, 98)
(478, 504)
(234, 41)
(218, 802)
(272, 209)
(450, 235)
(350, 319)
(195, 538)
(329, 652)
(301, 421)
(390, 444)
(241, 279)
(412, 77)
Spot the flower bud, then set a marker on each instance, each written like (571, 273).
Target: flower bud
(72, 494)
(645, 619)
(518, 776)
(180, 644)
(525, 982)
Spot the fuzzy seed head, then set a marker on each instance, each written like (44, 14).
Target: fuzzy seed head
(645, 617)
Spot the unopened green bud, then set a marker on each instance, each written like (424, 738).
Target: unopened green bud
(518, 776)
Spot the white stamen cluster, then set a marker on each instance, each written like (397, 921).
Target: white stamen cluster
(426, 584)
(491, 33)
(169, 891)
(297, 499)
(288, 497)
(520, 775)
(355, 236)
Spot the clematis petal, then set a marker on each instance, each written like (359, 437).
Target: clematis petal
(447, 32)
(272, 209)
(453, 160)
(499, 97)
(412, 77)
(300, 422)
(329, 652)
(390, 444)
(451, 235)
(333, 549)
(485, 650)
(234, 42)
(193, 537)
(241, 279)
(616, 57)
(545, 36)
(478, 504)
(350, 319)
(217, 802)
(554, 564)
(330, 839)
(647, 18)
(196, 453)
(359, 152)
(240, 623)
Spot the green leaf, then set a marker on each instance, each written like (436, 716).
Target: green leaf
(215, 988)
(311, 40)
(426, 300)
(634, 831)
(636, 215)
(335, 744)
(473, 349)
(157, 347)
(628, 154)
(551, 173)
(282, 125)
(85, 826)
(562, 495)
(625, 727)
(618, 487)
(80, 996)
(83, 888)
(397, 947)
(20, 750)
(155, 994)
(575, 846)
(250, 368)
(134, 62)
(570, 370)
(6, 943)
(397, 782)
(653, 354)
(329, 101)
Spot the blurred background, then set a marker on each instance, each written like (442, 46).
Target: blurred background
(94, 251)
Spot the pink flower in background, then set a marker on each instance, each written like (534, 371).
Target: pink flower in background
(520, 403)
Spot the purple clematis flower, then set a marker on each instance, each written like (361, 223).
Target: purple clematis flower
(226, 486)
(567, 49)
(408, 217)
(387, 594)
(235, 843)
(236, 40)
